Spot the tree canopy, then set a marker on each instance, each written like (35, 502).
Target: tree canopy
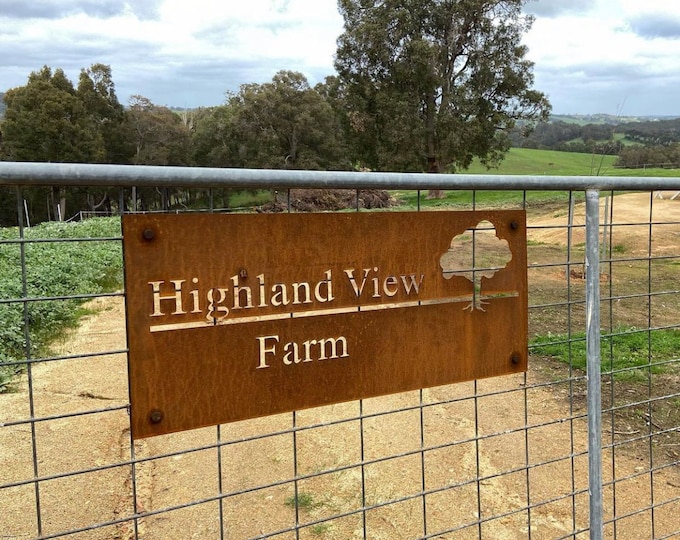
(431, 84)
(46, 121)
(285, 124)
(158, 135)
(421, 85)
(97, 92)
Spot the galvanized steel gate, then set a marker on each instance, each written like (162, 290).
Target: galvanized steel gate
(549, 454)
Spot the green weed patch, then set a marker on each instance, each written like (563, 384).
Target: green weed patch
(628, 353)
(303, 501)
(53, 270)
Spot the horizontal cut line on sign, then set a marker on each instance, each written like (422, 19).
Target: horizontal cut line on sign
(321, 312)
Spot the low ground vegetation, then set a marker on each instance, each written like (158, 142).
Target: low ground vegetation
(54, 269)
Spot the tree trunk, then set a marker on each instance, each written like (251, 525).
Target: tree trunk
(433, 167)
(59, 202)
(430, 144)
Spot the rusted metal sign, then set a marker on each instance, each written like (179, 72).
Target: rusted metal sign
(238, 316)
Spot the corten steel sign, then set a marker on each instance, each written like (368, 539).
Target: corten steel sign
(238, 316)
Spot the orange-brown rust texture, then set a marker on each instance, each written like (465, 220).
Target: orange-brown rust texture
(238, 316)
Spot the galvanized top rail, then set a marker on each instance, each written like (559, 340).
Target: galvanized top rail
(81, 174)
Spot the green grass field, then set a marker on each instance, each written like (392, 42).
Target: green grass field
(527, 161)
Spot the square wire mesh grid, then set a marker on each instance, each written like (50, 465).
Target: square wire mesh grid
(496, 458)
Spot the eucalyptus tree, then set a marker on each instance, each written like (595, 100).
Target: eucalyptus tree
(159, 135)
(431, 84)
(46, 121)
(213, 143)
(97, 91)
(285, 124)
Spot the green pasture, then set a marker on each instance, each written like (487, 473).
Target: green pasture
(527, 161)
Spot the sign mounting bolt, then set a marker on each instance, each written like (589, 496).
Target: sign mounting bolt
(515, 358)
(156, 416)
(148, 234)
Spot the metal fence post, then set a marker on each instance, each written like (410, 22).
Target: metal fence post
(593, 363)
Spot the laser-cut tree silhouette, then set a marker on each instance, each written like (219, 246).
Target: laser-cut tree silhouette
(475, 254)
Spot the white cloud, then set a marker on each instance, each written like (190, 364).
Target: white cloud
(588, 54)
(556, 8)
(599, 58)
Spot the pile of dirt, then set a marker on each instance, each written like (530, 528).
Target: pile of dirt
(327, 200)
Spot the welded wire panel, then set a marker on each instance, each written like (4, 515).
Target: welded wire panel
(503, 457)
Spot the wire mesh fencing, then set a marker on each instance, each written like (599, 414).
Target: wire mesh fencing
(504, 457)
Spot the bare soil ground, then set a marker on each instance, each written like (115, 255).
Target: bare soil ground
(554, 450)
(630, 215)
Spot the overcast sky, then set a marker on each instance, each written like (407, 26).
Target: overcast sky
(591, 56)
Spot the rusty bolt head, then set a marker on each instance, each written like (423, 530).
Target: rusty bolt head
(148, 234)
(514, 225)
(156, 416)
(515, 358)
(243, 273)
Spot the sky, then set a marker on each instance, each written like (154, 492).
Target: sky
(618, 57)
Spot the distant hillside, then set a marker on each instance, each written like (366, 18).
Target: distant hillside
(583, 119)
(2, 104)
(598, 134)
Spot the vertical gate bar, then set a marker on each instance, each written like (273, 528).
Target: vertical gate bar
(133, 485)
(423, 483)
(220, 484)
(27, 357)
(593, 363)
(363, 469)
(131, 441)
(650, 387)
(527, 457)
(570, 335)
(478, 469)
(609, 233)
(364, 521)
(570, 229)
